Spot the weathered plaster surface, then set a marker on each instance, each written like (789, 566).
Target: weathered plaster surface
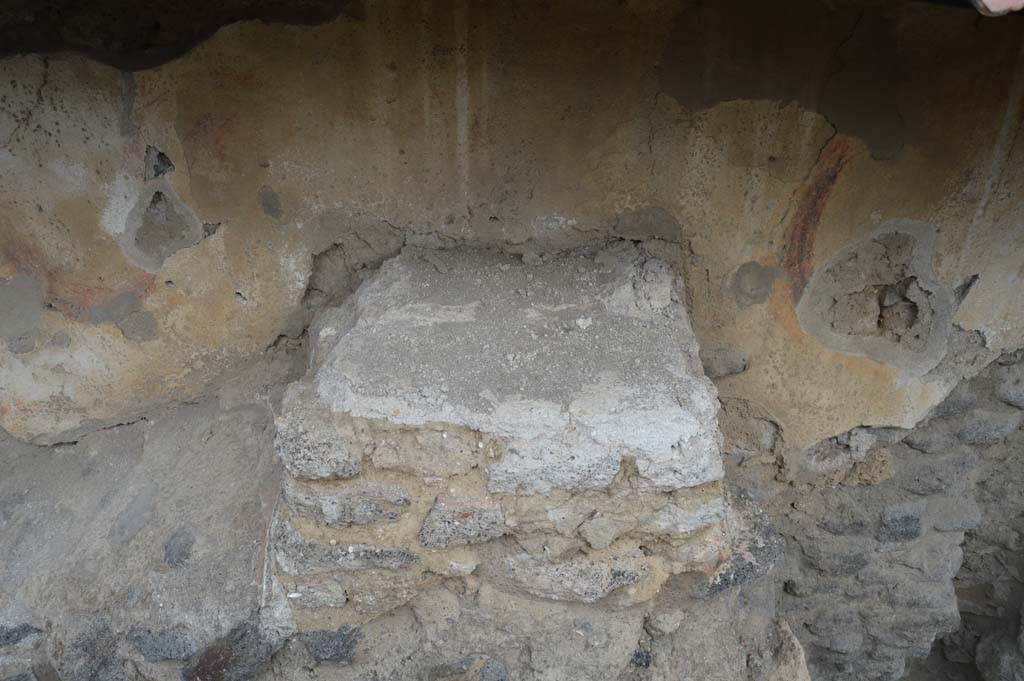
(575, 362)
(163, 227)
(503, 128)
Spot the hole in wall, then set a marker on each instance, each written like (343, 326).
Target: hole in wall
(879, 297)
(158, 163)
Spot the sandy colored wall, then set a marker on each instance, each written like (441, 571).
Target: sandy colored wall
(743, 135)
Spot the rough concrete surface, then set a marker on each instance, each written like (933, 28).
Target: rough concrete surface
(575, 362)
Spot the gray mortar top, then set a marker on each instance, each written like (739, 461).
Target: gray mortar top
(576, 361)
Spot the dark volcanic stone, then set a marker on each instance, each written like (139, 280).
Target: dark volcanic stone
(174, 643)
(332, 646)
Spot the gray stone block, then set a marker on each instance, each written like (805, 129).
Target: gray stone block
(601, 530)
(310, 441)
(954, 514)
(332, 646)
(451, 523)
(325, 593)
(575, 362)
(902, 522)
(172, 643)
(359, 504)
(934, 437)
(930, 475)
(297, 555)
(583, 578)
(757, 548)
(1010, 384)
(16, 633)
(983, 426)
(678, 521)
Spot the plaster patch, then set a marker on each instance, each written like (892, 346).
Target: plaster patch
(879, 297)
(752, 283)
(159, 225)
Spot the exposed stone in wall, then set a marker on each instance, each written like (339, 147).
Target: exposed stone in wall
(557, 402)
(1000, 654)
(880, 298)
(989, 588)
(874, 539)
(469, 630)
(871, 566)
(574, 376)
